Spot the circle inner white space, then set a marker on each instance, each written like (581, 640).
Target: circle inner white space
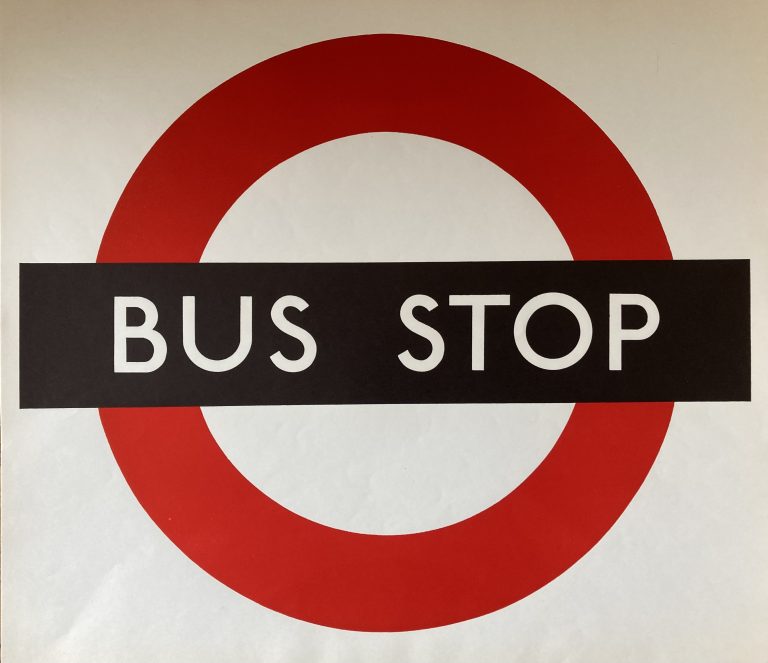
(387, 469)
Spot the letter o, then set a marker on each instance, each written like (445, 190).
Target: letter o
(553, 299)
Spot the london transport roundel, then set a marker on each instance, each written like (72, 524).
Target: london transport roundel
(213, 153)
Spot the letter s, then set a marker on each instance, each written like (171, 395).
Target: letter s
(425, 331)
(302, 335)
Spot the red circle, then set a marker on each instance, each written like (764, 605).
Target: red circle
(178, 195)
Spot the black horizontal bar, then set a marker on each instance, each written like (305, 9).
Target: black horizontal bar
(700, 351)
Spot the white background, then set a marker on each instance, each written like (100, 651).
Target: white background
(681, 89)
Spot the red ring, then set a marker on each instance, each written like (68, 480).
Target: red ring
(173, 203)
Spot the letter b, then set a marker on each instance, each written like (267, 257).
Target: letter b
(145, 330)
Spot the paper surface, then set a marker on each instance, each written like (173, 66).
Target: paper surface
(680, 88)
